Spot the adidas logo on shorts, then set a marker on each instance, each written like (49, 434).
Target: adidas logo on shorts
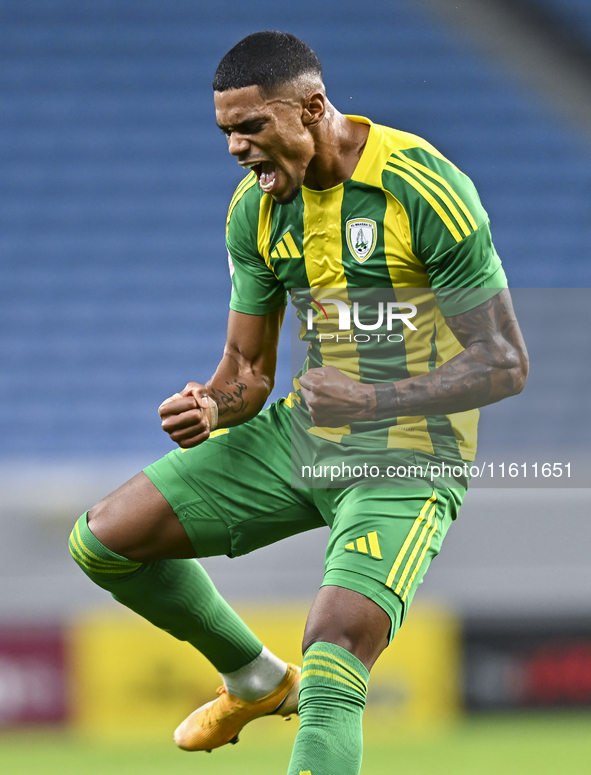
(367, 544)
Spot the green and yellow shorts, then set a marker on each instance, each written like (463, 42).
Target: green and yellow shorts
(233, 494)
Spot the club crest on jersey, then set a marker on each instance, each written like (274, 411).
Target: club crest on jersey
(361, 238)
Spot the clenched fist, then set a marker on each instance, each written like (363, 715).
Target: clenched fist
(334, 399)
(189, 416)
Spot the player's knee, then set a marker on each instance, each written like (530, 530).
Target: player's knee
(331, 634)
(78, 541)
(78, 544)
(106, 524)
(96, 516)
(350, 620)
(348, 632)
(100, 523)
(97, 561)
(363, 644)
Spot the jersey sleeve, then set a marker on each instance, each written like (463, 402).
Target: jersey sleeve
(450, 230)
(255, 288)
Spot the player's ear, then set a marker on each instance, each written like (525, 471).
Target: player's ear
(314, 108)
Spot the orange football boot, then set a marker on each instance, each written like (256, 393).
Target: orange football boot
(218, 722)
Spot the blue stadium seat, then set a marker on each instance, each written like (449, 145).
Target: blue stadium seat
(573, 15)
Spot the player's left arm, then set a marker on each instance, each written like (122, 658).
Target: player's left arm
(493, 366)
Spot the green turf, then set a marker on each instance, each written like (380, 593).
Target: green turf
(508, 745)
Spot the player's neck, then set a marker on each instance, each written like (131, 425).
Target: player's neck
(339, 145)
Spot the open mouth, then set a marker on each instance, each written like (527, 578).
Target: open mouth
(266, 174)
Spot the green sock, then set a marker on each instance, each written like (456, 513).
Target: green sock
(332, 698)
(176, 595)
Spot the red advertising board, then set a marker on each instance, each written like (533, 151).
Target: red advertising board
(32, 676)
(525, 663)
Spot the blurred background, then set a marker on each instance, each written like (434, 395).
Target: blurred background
(114, 289)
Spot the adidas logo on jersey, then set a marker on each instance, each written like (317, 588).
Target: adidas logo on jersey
(367, 544)
(286, 248)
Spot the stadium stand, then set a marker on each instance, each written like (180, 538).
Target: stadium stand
(574, 16)
(115, 185)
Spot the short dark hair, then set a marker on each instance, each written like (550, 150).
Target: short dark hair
(267, 60)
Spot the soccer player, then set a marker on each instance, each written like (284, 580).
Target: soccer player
(330, 202)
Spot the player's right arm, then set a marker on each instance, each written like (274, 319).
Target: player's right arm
(244, 378)
(239, 388)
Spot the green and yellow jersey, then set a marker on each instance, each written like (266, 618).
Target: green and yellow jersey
(407, 223)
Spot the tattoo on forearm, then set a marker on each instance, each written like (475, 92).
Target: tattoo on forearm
(231, 400)
(493, 365)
